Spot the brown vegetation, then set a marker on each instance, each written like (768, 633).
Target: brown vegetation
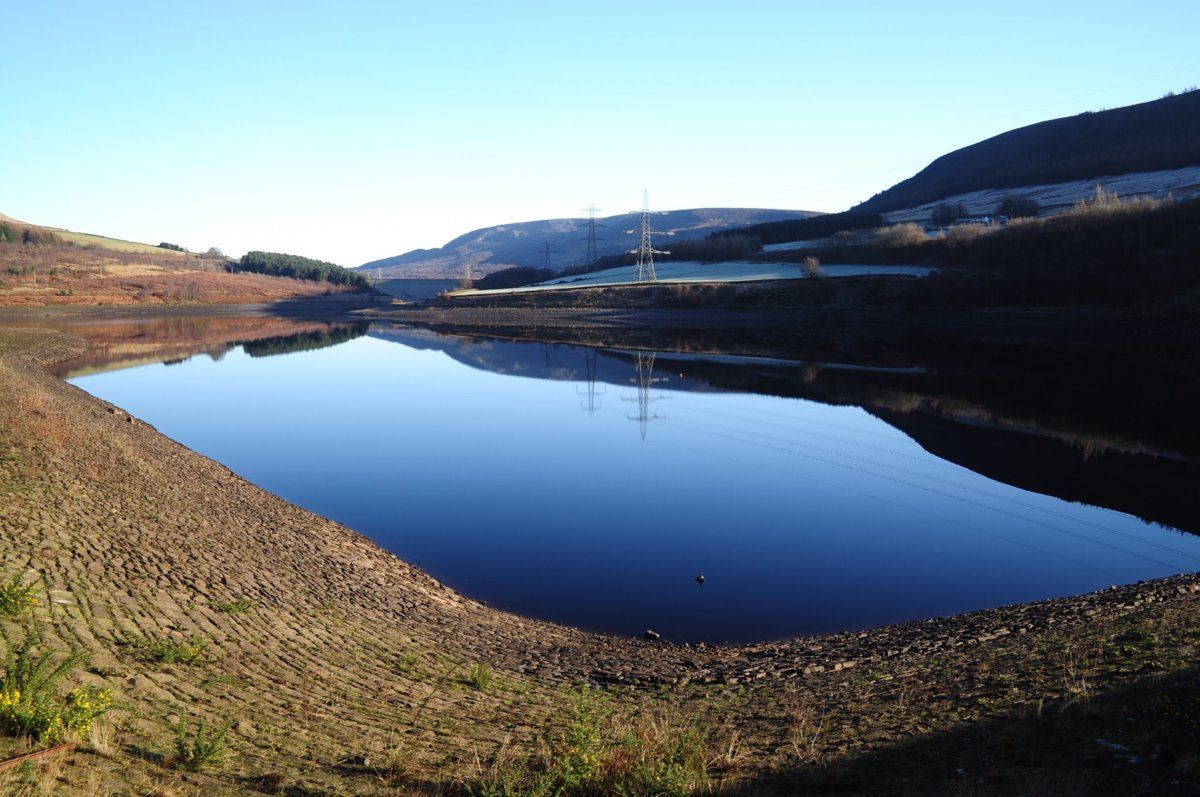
(62, 274)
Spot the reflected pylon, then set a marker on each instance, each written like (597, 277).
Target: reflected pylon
(589, 405)
(643, 363)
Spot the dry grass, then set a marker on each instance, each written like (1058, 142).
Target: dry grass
(61, 274)
(907, 234)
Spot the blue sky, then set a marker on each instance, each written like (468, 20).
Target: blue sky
(351, 131)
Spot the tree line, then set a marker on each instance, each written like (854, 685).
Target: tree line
(788, 230)
(277, 264)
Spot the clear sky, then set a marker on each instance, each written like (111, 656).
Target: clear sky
(356, 130)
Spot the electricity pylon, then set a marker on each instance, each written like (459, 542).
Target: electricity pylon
(646, 251)
(593, 253)
(549, 250)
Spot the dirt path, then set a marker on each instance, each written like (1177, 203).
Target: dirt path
(328, 653)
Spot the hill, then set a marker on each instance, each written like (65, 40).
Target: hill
(90, 239)
(523, 244)
(1151, 136)
(41, 266)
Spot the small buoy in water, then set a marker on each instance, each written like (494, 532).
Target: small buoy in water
(700, 578)
(652, 635)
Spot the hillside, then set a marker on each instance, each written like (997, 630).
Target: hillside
(60, 267)
(1151, 136)
(523, 244)
(99, 241)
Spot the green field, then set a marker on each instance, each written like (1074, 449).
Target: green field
(87, 239)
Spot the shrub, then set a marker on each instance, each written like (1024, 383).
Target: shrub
(193, 752)
(908, 234)
(15, 598)
(36, 237)
(964, 233)
(31, 701)
(812, 267)
(172, 247)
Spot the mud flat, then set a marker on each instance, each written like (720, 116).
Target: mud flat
(331, 656)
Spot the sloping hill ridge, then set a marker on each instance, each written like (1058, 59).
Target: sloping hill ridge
(1152, 136)
(523, 244)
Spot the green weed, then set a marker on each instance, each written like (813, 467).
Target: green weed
(194, 752)
(172, 651)
(479, 677)
(240, 606)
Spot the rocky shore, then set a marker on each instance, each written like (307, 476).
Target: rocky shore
(344, 651)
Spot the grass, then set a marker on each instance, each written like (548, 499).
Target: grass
(603, 752)
(116, 244)
(479, 677)
(240, 606)
(169, 650)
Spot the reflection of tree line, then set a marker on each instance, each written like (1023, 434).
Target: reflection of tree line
(304, 341)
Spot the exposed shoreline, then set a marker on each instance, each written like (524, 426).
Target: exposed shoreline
(213, 536)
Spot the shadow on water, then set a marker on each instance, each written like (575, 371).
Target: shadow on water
(1112, 427)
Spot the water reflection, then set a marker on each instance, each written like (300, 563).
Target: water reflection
(589, 394)
(643, 365)
(819, 484)
(1106, 427)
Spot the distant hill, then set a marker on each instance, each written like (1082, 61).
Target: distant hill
(523, 244)
(1152, 136)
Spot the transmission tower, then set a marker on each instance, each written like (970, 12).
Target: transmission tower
(646, 251)
(549, 250)
(592, 252)
(588, 395)
(643, 363)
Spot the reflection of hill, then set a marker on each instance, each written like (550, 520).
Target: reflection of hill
(555, 361)
(123, 343)
(1150, 487)
(1103, 426)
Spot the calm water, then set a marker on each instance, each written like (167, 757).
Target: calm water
(591, 486)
